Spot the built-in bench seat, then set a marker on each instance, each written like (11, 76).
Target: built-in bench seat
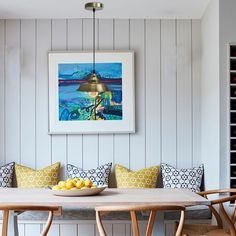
(71, 213)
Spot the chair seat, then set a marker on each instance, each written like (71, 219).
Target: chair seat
(217, 232)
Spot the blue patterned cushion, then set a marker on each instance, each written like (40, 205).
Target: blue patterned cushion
(6, 175)
(99, 176)
(190, 178)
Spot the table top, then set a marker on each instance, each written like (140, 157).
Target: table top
(110, 196)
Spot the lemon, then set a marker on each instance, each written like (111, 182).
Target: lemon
(64, 188)
(69, 180)
(79, 184)
(84, 187)
(69, 185)
(56, 187)
(88, 183)
(62, 184)
(74, 188)
(94, 186)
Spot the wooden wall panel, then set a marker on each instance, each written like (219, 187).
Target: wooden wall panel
(90, 142)
(43, 140)
(184, 94)
(59, 142)
(153, 92)
(12, 91)
(122, 141)
(75, 43)
(119, 229)
(86, 229)
(54, 230)
(167, 82)
(68, 229)
(138, 140)
(105, 42)
(168, 92)
(196, 91)
(32, 229)
(27, 93)
(2, 91)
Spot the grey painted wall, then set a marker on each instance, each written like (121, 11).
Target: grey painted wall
(227, 35)
(210, 95)
(167, 83)
(168, 112)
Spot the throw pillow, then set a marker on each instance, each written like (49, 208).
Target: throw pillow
(30, 178)
(190, 178)
(6, 175)
(144, 178)
(99, 175)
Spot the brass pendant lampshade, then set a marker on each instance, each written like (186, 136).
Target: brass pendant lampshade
(93, 83)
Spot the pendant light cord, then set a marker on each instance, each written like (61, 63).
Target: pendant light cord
(94, 41)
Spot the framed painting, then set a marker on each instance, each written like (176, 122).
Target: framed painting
(72, 111)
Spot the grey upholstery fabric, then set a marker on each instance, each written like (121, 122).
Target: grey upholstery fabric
(71, 213)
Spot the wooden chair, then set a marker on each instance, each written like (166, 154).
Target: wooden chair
(220, 214)
(7, 208)
(101, 210)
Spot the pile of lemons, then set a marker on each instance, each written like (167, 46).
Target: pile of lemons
(74, 184)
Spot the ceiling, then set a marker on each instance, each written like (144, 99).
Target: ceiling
(180, 9)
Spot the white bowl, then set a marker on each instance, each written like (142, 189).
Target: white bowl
(79, 192)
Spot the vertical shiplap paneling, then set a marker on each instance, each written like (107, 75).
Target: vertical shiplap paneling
(170, 229)
(153, 93)
(196, 91)
(12, 91)
(168, 91)
(28, 93)
(59, 142)
(160, 110)
(2, 92)
(21, 229)
(105, 42)
(32, 229)
(108, 229)
(75, 142)
(90, 142)
(43, 139)
(86, 229)
(137, 140)
(69, 230)
(119, 229)
(184, 94)
(121, 141)
(54, 230)
(127, 229)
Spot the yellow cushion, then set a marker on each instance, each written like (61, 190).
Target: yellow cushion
(30, 178)
(144, 178)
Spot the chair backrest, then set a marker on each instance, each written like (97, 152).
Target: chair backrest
(18, 208)
(220, 211)
(133, 209)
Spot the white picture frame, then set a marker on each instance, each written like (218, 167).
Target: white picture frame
(118, 116)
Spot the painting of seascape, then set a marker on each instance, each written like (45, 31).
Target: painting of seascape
(76, 105)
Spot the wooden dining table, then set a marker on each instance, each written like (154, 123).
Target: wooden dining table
(110, 196)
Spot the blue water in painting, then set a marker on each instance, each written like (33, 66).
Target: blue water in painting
(76, 105)
(81, 70)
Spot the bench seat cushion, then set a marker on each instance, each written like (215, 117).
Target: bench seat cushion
(70, 213)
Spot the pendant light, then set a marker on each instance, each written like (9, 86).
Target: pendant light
(93, 83)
